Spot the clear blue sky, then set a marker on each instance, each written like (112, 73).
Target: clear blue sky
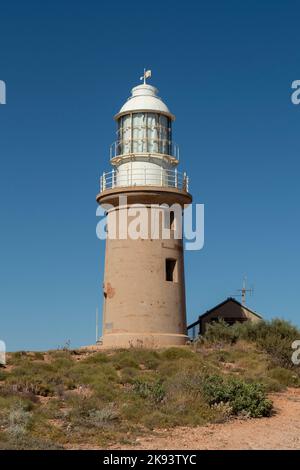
(225, 69)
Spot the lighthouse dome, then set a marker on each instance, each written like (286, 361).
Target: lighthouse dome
(144, 98)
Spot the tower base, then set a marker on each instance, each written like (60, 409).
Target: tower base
(138, 340)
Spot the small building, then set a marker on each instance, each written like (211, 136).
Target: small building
(231, 311)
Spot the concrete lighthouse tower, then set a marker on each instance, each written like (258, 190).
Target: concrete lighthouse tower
(143, 289)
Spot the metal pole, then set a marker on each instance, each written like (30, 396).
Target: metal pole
(131, 134)
(97, 325)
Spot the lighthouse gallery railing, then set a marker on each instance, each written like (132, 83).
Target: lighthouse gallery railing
(144, 177)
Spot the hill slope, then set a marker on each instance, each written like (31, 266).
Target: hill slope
(86, 399)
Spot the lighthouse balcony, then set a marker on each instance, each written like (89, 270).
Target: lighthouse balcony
(128, 176)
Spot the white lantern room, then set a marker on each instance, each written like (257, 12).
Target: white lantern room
(144, 153)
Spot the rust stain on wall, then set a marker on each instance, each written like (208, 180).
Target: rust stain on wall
(108, 290)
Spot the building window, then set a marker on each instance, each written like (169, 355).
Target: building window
(172, 220)
(169, 219)
(171, 270)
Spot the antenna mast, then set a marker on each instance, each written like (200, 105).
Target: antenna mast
(243, 291)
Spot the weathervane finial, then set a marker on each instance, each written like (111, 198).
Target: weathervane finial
(147, 74)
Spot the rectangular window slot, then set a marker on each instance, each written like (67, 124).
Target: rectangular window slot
(169, 219)
(171, 270)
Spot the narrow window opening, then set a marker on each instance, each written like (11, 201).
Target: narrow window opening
(169, 219)
(172, 220)
(171, 270)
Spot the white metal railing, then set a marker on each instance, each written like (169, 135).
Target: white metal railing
(144, 177)
(132, 146)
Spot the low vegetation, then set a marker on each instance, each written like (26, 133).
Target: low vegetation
(70, 399)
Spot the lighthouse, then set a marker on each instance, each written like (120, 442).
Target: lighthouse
(143, 287)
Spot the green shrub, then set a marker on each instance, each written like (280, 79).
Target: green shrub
(104, 416)
(62, 364)
(98, 417)
(31, 385)
(38, 378)
(91, 412)
(154, 391)
(3, 375)
(128, 374)
(123, 359)
(186, 382)
(172, 354)
(156, 419)
(96, 358)
(243, 397)
(38, 356)
(60, 354)
(271, 385)
(26, 442)
(221, 332)
(101, 378)
(247, 330)
(148, 358)
(284, 377)
(17, 357)
(18, 420)
(167, 368)
(275, 337)
(30, 389)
